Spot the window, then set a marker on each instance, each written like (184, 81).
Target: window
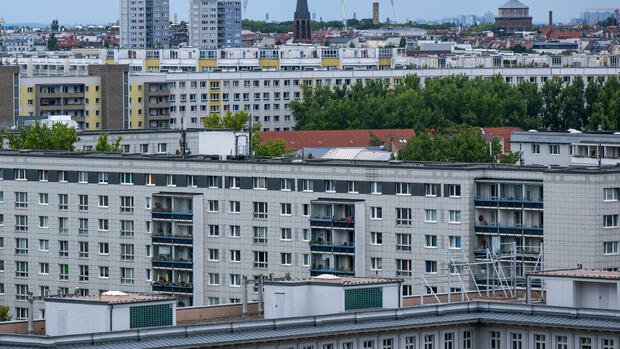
(261, 259)
(610, 247)
(104, 272)
(260, 210)
(83, 200)
(44, 222)
(431, 267)
(63, 201)
(516, 340)
(21, 200)
(21, 313)
(455, 242)
(403, 216)
(214, 255)
(554, 149)
(370, 344)
(376, 213)
(43, 199)
(43, 175)
(127, 228)
(376, 238)
(330, 186)
(403, 242)
(63, 273)
(467, 340)
(448, 340)
(127, 252)
(170, 182)
(410, 342)
(127, 276)
(191, 181)
(376, 187)
(306, 259)
(353, 187)
(376, 264)
(306, 234)
(235, 280)
(432, 190)
(307, 185)
(144, 148)
(610, 221)
(83, 273)
(495, 340)
(429, 341)
(403, 267)
(430, 216)
(150, 179)
(21, 269)
(585, 343)
(235, 231)
(260, 235)
(454, 190)
(285, 258)
(104, 177)
(162, 148)
(306, 210)
(235, 255)
(44, 245)
(103, 201)
(235, 207)
(259, 183)
(431, 241)
(126, 178)
(21, 223)
(286, 234)
(63, 225)
(285, 209)
(403, 188)
(104, 248)
(21, 246)
(234, 182)
(540, 341)
(607, 343)
(214, 206)
(103, 225)
(214, 279)
(455, 217)
(611, 194)
(212, 182)
(21, 292)
(286, 184)
(20, 175)
(214, 230)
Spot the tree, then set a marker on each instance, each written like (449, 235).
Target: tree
(610, 21)
(52, 43)
(103, 146)
(375, 141)
(4, 314)
(235, 122)
(40, 137)
(54, 26)
(403, 42)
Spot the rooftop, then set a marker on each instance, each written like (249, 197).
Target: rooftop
(579, 274)
(513, 4)
(296, 140)
(336, 280)
(112, 298)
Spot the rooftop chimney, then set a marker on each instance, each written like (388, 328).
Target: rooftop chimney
(550, 19)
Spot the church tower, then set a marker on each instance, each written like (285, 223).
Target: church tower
(302, 30)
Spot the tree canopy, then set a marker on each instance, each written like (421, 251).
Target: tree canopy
(4, 314)
(105, 147)
(237, 121)
(457, 100)
(40, 137)
(461, 144)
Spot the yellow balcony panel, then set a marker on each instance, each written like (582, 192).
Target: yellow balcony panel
(385, 62)
(269, 63)
(206, 63)
(330, 62)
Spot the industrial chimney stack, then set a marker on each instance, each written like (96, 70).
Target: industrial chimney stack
(550, 19)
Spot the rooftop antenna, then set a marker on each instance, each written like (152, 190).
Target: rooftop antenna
(394, 10)
(344, 13)
(183, 141)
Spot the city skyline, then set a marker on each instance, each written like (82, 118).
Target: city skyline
(41, 11)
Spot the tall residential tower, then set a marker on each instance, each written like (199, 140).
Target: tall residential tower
(145, 23)
(215, 24)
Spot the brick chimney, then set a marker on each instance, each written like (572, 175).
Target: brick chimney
(550, 19)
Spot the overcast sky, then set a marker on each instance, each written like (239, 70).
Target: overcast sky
(106, 11)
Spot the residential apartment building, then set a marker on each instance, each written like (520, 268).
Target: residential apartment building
(194, 227)
(167, 86)
(570, 148)
(144, 24)
(214, 23)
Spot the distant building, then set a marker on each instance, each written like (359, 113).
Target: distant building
(145, 24)
(514, 16)
(375, 12)
(302, 29)
(215, 24)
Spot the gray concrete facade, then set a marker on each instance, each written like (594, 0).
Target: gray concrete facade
(144, 24)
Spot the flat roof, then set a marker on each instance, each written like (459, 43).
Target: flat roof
(335, 281)
(154, 131)
(122, 298)
(579, 274)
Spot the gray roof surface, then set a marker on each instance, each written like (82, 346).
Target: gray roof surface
(513, 4)
(309, 328)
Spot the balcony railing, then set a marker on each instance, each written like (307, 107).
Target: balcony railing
(328, 248)
(170, 239)
(492, 229)
(170, 215)
(522, 254)
(332, 223)
(493, 203)
(316, 272)
(163, 263)
(172, 287)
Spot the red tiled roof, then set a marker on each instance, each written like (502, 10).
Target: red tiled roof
(565, 35)
(296, 140)
(503, 133)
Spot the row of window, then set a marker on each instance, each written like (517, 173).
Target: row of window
(126, 250)
(126, 274)
(126, 202)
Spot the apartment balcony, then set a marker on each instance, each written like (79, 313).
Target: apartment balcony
(524, 255)
(501, 230)
(168, 287)
(172, 264)
(509, 204)
(164, 93)
(162, 117)
(327, 223)
(173, 239)
(343, 272)
(160, 105)
(169, 215)
(320, 247)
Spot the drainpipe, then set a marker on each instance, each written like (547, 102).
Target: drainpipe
(111, 311)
